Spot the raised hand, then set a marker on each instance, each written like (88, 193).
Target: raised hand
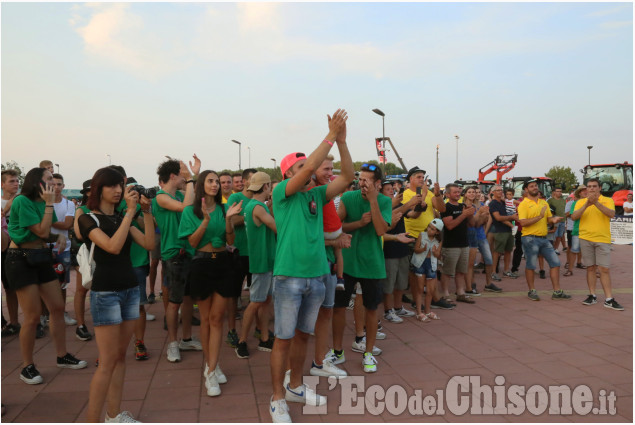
(370, 191)
(484, 210)
(236, 208)
(437, 189)
(145, 203)
(337, 122)
(196, 167)
(185, 172)
(48, 193)
(206, 216)
(366, 218)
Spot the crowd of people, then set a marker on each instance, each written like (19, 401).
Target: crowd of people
(306, 248)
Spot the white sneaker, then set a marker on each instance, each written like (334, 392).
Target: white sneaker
(69, 320)
(279, 411)
(351, 303)
(305, 395)
(222, 379)
(369, 363)
(123, 417)
(211, 383)
(174, 354)
(380, 336)
(44, 321)
(327, 369)
(192, 345)
(392, 317)
(360, 347)
(404, 312)
(334, 358)
(150, 317)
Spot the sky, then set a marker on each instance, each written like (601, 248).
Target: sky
(85, 84)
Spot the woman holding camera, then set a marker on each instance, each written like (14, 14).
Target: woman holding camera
(114, 295)
(208, 228)
(30, 270)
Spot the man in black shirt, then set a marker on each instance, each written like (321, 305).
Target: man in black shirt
(502, 230)
(455, 251)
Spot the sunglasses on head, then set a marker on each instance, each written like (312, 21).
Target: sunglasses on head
(369, 167)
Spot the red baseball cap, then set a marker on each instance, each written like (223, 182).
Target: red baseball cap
(288, 161)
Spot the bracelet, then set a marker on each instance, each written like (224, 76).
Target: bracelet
(328, 141)
(191, 181)
(49, 206)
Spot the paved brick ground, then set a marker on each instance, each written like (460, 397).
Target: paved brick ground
(544, 343)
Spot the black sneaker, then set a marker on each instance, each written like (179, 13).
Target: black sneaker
(590, 300)
(152, 298)
(82, 333)
(39, 331)
(266, 345)
(613, 304)
(241, 350)
(30, 375)
(543, 275)
(405, 299)
(11, 330)
(473, 293)
(442, 304)
(492, 288)
(70, 362)
(232, 338)
(560, 295)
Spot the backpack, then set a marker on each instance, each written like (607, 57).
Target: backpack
(86, 262)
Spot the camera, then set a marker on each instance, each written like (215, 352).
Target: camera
(149, 193)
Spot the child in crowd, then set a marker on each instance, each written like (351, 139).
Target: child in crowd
(424, 261)
(332, 230)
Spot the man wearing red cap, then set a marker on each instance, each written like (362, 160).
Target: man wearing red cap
(301, 266)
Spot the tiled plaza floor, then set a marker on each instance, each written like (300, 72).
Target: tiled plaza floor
(546, 343)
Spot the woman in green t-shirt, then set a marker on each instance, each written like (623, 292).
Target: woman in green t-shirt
(30, 270)
(208, 228)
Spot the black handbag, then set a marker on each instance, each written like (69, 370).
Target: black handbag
(39, 256)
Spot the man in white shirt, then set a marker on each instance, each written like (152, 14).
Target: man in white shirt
(65, 212)
(628, 205)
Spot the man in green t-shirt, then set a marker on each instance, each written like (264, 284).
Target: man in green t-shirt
(366, 214)
(300, 267)
(241, 266)
(261, 230)
(176, 253)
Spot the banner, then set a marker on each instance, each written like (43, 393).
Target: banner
(622, 230)
(381, 153)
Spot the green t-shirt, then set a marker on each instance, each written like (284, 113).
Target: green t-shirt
(168, 223)
(576, 223)
(365, 258)
(240, 241)
(26, 213)
(138, 254)
(557, 205)
(300, 249)
(215, 232)
(262, 241)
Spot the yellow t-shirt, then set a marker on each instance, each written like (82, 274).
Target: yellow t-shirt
(595, 226)
(224, 199)
(414, 226)
(530, 209)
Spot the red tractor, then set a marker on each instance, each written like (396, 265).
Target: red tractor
(616, 180)
(502, 164)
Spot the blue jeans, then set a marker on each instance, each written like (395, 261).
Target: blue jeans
(296, 303)
(483, 248)
(560, 229)
(534, 246)
(261, 287)
(113, 307)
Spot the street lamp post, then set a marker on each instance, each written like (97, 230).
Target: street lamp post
(383, 135)
(238, 143)
(589, 148)
(109, 159)
(457, 156)
(58, 168)
(437, 163)
(249, 158)
(274, 165)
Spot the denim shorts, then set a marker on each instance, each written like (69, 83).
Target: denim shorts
(426, 269)
(261, 287)
(472, 239)
(574, 245)
(330, 282)
(560, 228)
(141, 273)
(113, 307)
(534, 246)
(486, 253)
(296, 303)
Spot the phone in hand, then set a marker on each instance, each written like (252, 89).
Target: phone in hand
(419, 190)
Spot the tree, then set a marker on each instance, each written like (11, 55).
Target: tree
(12, 165)
(391, 168)
(562, 176)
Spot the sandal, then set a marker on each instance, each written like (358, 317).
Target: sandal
(568, 273)
(423, 318)
(433, 316)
